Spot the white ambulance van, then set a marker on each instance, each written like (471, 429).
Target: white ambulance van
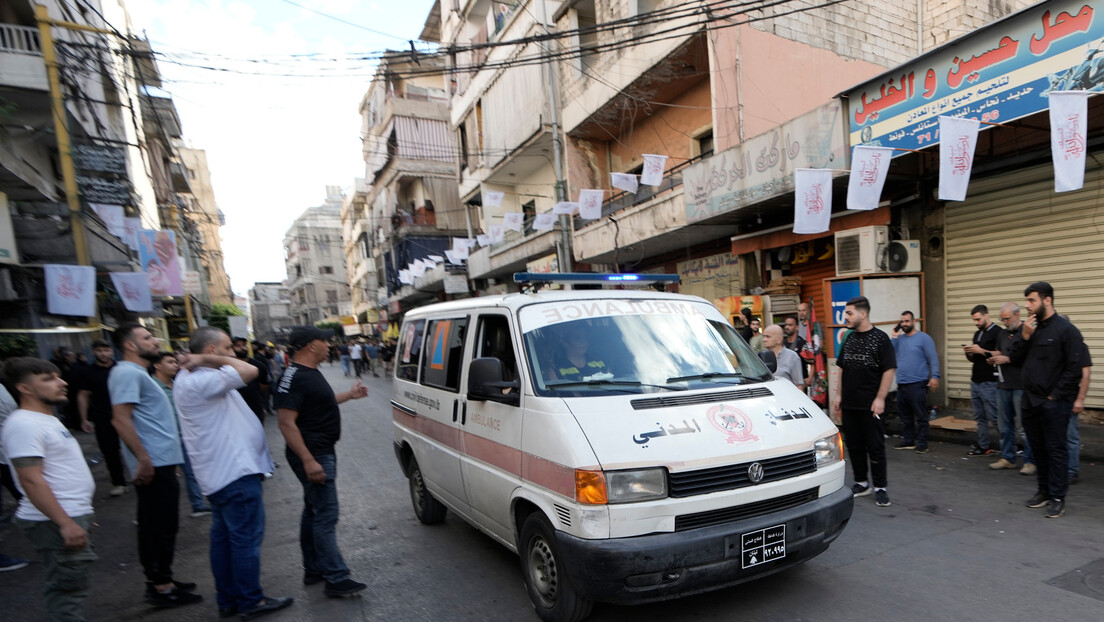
(628, 445)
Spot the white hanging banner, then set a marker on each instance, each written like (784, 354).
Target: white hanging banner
(70, 290)
(113, 217)
(437, 258)
(957, 139)
(565, 207)
(455, 258)
(492, 198)
(418, 268)
(513, 221)
(544, 222)
(590, 204)
(133, 288)
(497, 233)
(624, 181)
(131, 226)
(869, 166)
(1069, 113)
(460, 251)
(652, 175)
(812, 200)
(405, 277)
(430, 262)
(483, 239)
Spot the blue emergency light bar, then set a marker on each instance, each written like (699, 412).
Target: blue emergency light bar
(592, 277)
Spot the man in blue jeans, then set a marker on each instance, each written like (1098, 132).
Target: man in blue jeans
(983, 377)
(917, 371)
(1010, 394)
(229, 454)
(310, 421)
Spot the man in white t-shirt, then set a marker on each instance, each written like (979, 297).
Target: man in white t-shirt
(51, 473)
(356, 353)
(229, 455)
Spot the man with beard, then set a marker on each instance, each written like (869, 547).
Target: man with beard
(144, 419)
(794, 341)
(983, 377)
(56, 509)
(255, 390)
(94, 406)
(917, 371)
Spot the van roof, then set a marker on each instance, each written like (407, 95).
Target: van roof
(517, 300)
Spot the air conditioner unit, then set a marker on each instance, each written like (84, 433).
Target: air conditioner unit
(902, 256)
(858, 250)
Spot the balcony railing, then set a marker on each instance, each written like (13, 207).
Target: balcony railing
(672, 178)
(19, 40)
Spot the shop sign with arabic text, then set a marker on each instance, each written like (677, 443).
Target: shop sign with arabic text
(762, 167)
(997, 74)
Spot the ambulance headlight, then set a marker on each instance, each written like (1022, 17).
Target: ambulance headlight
(829, 450)
(636, 485)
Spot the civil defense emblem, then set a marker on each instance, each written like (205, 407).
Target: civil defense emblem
(734, 424)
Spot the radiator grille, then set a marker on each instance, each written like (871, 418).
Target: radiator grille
(704, 481)
(740, 512)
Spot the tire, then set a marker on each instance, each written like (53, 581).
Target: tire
(428, 510)
(550, 590)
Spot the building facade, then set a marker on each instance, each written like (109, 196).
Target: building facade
(270, 306)
(202, 212)
(315, 261)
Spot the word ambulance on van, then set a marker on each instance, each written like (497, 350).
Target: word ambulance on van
(628, 445)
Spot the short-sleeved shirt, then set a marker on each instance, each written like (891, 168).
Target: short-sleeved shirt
(29, 434)
(988, 339)
(789, 367)
(93, 378)
(225, 441)
(305, 390)
(153, 417)
(864, 357)
(566, 370)
(251, 392)
(354, 351)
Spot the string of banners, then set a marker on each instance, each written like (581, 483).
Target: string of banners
(957, 140)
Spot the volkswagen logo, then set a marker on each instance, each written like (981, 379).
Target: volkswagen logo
(755, 472)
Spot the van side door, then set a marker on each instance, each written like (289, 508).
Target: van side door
(492, 455)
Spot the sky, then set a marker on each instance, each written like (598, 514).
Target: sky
(273, 143)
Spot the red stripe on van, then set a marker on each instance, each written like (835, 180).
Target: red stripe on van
(553, 476)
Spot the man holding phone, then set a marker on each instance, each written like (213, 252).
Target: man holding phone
(983, 377)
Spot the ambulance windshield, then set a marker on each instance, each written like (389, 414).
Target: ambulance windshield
(624, 348)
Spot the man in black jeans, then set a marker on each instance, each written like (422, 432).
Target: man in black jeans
(94, 407)
(869, 365)
(1050, 350)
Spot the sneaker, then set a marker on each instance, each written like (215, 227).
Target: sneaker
(905, 445)
(881, 499)
(1028, 469)
(1073, 479)
(1056, 508)
(312, 579)
(11, 563)
(1038, 501)
(266, 606)
(858, 490)
(118, 491)
(343, 588)
(978, 451)
(921, 449)
(1002, 464)
(175, 598)
(200, 513)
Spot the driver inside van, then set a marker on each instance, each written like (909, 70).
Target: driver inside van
(575, 362)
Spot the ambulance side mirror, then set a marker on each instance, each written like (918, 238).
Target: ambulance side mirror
(769, 359)
(486, 382)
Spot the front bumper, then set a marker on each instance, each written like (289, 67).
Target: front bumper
(670, 565)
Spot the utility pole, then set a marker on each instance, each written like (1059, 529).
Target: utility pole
(61, 128)
(563, 253)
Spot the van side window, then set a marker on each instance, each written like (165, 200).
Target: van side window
(444, 353)
(495, 341)
(409, 352)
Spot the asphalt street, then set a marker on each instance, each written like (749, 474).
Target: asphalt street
(957, 543)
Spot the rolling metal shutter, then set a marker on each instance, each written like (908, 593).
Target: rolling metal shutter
(1013, 230)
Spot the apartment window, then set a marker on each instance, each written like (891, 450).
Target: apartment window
(585, 19)
(325, 270)
(636, 7)
(463, 130)
(331, 295)
(703, 143)
(530, 210)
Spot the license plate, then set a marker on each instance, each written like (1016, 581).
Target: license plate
(760, 547)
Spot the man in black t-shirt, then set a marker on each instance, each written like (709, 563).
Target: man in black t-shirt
(94, 407)
(869, 365)
(310, 421)
(983, 376)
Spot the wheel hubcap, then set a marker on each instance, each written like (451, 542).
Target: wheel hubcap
(416, 490)
(542, 571)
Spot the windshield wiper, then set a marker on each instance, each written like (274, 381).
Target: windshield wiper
(602, 383)
(713, 374)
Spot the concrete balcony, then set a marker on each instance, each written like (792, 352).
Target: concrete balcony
(21, 62)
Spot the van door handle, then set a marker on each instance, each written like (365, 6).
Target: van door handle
(464, 414)
(454, 410)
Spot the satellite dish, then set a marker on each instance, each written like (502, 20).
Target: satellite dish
(896, 257)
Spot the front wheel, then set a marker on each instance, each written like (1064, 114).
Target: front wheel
(428, 510)
(551, 592)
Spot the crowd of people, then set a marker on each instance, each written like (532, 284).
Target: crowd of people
(361, 356)
(155, 411)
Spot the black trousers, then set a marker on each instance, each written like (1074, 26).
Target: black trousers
(108, 441)
(158, 520)
(864, 435)
(1046, 427)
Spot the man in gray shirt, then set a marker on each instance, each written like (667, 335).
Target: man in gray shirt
(789, 363)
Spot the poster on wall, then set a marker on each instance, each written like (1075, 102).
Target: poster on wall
(157, 252)
(713, 277)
